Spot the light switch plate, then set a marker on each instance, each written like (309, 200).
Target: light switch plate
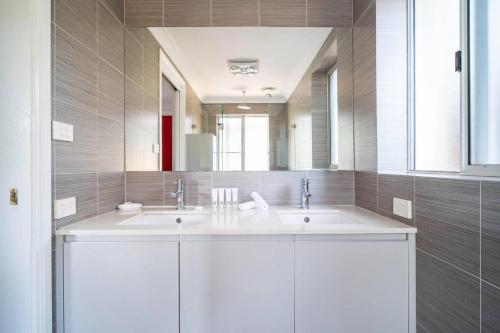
(62, 131)
(64, 207)
(402, 208)
(156, 148)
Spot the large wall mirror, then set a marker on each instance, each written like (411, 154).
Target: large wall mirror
(238, 99)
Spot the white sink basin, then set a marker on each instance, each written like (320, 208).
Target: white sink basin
(168, 218)
(312, 217)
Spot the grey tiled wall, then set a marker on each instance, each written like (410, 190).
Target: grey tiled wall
(458, 248)
(88, 93)
(204, 13)
(277, 187)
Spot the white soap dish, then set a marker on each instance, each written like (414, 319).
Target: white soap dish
(129, 207)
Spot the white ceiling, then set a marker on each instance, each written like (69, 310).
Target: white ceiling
(201, 56)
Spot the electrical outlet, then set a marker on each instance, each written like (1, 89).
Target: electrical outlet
(62, 131)
(64, 207)
(402, 208)
(156, 148)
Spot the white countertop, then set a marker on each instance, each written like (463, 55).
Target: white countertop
(227, 221)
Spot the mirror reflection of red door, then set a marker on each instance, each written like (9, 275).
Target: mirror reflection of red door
(167, 143)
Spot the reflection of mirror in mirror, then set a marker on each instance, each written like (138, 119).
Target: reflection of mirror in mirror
(238, 99)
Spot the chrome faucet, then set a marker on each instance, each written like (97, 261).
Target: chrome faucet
(306, 195)
(179, 194)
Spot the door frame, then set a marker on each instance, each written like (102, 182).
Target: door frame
(41, 159)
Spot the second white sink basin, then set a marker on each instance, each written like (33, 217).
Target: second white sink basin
(311, 217)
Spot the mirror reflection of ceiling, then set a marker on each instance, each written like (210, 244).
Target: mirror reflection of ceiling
(201, 55)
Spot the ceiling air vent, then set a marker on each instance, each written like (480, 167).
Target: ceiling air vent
(243, 66)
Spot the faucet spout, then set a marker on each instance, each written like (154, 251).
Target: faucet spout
(305, 193)
(179, 194)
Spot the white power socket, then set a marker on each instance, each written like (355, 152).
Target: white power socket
(402, 208)
(156, 148)
(62, 131)
(64, 207)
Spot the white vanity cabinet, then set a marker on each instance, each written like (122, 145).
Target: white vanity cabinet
(238, 284)
(353, 283)
(120, 286)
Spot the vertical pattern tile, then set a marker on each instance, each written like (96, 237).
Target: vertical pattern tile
(447, 218)
(490, 301)
(111, 145)
(133, 59)
(144, 13)
(111, 190)
(447, 298)
(198, 187)
(490, 231)
(332, 187)
(83, 187)
(395, 186)
(246, 182)
(329, 13)
(81, 154)
(359, 7)
(365, 113)
(145, 187)
(78, 19)
(110, 38)
(365, 190)
(227, 13)
(283, 13)
(110, 91)
(76, 73)
(282, 187)
(115, 7)
(187, 13)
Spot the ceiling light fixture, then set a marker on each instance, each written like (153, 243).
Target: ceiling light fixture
(243, 66)
(244, 106)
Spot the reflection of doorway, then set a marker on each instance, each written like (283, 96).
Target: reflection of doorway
(173, 107)
(169, 96)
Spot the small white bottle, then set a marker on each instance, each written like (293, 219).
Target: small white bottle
(214, 197)
(234, 197)
(228, 197)
(221, 197)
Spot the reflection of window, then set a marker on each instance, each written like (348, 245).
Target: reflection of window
(436, 86)
(333, 116)
(484, 82)
(243, 143)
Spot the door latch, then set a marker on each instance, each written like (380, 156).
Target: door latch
(13, 196)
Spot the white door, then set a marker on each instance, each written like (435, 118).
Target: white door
(124, 287)
(25, 290)
(238, 284)
(351, 285)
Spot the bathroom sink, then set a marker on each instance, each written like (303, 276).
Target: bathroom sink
(169, 218)
(312, 217)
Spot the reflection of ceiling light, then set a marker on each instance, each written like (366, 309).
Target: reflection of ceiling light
(243, 66)
(243, 106)
(268, 91)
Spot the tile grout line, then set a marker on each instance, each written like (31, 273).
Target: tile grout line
(449, 264)
(480, 259)
(97, 105)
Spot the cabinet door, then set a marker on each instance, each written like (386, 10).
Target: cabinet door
(354, 286)
(236, 285)
(121, 287)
